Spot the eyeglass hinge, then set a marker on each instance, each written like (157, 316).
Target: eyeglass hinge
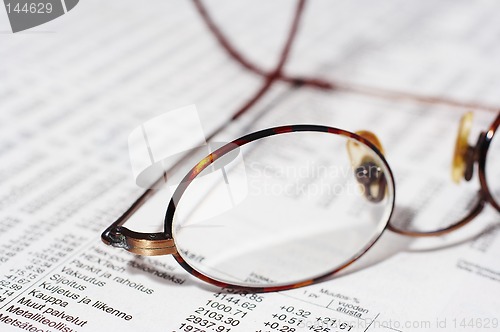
(146, 244)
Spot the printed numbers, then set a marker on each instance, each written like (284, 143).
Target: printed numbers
(478, 323)
(230, 292)
(32, 8)
(189, 328)
(299, 312)
(278, 327)
(222, 313)
(9, 285)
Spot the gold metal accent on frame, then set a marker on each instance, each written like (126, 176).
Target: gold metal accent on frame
(146, 244)
(459, 164)
(151, 247)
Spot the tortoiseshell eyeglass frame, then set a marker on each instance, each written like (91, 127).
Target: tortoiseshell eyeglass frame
(482, 147)
(470, 155)
(163, 243)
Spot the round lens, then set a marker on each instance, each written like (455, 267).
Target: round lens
(492, 169)
(291, 207)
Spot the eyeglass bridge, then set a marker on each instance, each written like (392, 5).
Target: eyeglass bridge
(146, 244)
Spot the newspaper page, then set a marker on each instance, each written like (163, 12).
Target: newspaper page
(73, 92)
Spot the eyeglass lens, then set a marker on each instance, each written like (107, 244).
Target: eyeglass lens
(287, 208)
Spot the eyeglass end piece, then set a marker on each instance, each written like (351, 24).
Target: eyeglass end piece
(113, 237)
(146, 244)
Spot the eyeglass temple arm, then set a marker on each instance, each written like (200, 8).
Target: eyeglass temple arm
(146, 244)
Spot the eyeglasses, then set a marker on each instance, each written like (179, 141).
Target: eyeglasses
(247, 216)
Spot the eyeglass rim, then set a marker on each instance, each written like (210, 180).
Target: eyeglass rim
(197, 169)
(483, 154)
(483, 195)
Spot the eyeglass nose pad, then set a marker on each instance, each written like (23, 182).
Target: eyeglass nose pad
(369, 175)
(463, 156)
